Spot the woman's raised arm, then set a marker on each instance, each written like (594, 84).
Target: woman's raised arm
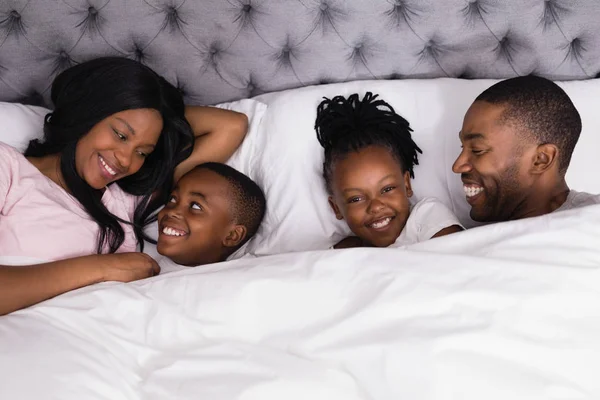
(218, 134)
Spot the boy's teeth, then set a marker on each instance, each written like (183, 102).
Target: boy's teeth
(381, 223)
(172, 232)
(472, 190)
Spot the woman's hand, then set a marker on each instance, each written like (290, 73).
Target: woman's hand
(127, 267)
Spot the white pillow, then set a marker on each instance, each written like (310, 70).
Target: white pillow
(20, 123)
(289, 158)
(243, 159)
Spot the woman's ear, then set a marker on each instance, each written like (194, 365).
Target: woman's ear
(236, 235)
(409, 191)
(335, 208)
(546, 156)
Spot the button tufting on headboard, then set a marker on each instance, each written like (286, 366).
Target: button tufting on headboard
(224, 50)
(12, 24)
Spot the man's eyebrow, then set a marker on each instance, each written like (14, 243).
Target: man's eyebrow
(471, 136)
(127, 125)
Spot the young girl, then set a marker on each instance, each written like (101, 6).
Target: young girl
(369, 159)
(118, 136)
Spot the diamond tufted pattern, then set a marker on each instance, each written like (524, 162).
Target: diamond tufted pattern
(220, 50)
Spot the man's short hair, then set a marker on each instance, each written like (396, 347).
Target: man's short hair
(541, 108)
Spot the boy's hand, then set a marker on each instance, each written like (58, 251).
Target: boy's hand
(351, 241)
(127, 267)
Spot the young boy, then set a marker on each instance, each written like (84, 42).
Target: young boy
(213, 210)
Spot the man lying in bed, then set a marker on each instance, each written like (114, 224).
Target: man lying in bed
(213, 210)
(517, 141)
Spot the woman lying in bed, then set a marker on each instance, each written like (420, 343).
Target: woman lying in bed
(115, 120)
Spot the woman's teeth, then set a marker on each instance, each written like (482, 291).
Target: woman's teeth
(381, 223)
(471, 190)
(172, 231)
(108, 169)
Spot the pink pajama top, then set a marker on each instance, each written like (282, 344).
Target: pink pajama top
(39, 219)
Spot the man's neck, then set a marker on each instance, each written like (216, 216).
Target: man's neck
(543, 201)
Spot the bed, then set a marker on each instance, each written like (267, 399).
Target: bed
(504, 311)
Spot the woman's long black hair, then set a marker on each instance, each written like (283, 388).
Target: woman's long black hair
(345, 125)
(87, 93)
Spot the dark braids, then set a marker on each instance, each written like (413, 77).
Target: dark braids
(349, 125)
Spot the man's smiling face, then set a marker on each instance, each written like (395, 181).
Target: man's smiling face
(493, 164)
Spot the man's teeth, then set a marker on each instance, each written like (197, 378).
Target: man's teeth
(382, 223)
(109, 169)
(471, 190)
(172, 231)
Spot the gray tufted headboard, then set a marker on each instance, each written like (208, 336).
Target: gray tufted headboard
(220, 50)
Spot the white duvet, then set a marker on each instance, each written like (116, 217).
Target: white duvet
(508, 311)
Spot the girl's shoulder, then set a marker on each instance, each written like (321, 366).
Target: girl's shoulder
(432, 215)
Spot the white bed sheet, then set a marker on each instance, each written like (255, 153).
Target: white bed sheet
(509, 311)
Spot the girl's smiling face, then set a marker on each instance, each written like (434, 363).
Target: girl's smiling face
(371, 192)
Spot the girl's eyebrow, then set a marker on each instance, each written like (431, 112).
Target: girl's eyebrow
(386, 177)
(381, 180)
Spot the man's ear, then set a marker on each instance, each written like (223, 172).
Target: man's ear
(335, 208)
(236, 235)
(409, 191)
(545, 157)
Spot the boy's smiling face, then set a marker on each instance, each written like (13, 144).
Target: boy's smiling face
(196, 224)
(370, 192)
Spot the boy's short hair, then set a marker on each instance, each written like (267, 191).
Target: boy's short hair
(248, 203)
(542, 108)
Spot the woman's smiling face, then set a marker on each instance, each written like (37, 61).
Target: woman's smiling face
(117, 146)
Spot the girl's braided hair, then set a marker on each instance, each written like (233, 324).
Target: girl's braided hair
(345, 125)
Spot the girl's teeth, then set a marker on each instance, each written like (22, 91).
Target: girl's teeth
(471, 191)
